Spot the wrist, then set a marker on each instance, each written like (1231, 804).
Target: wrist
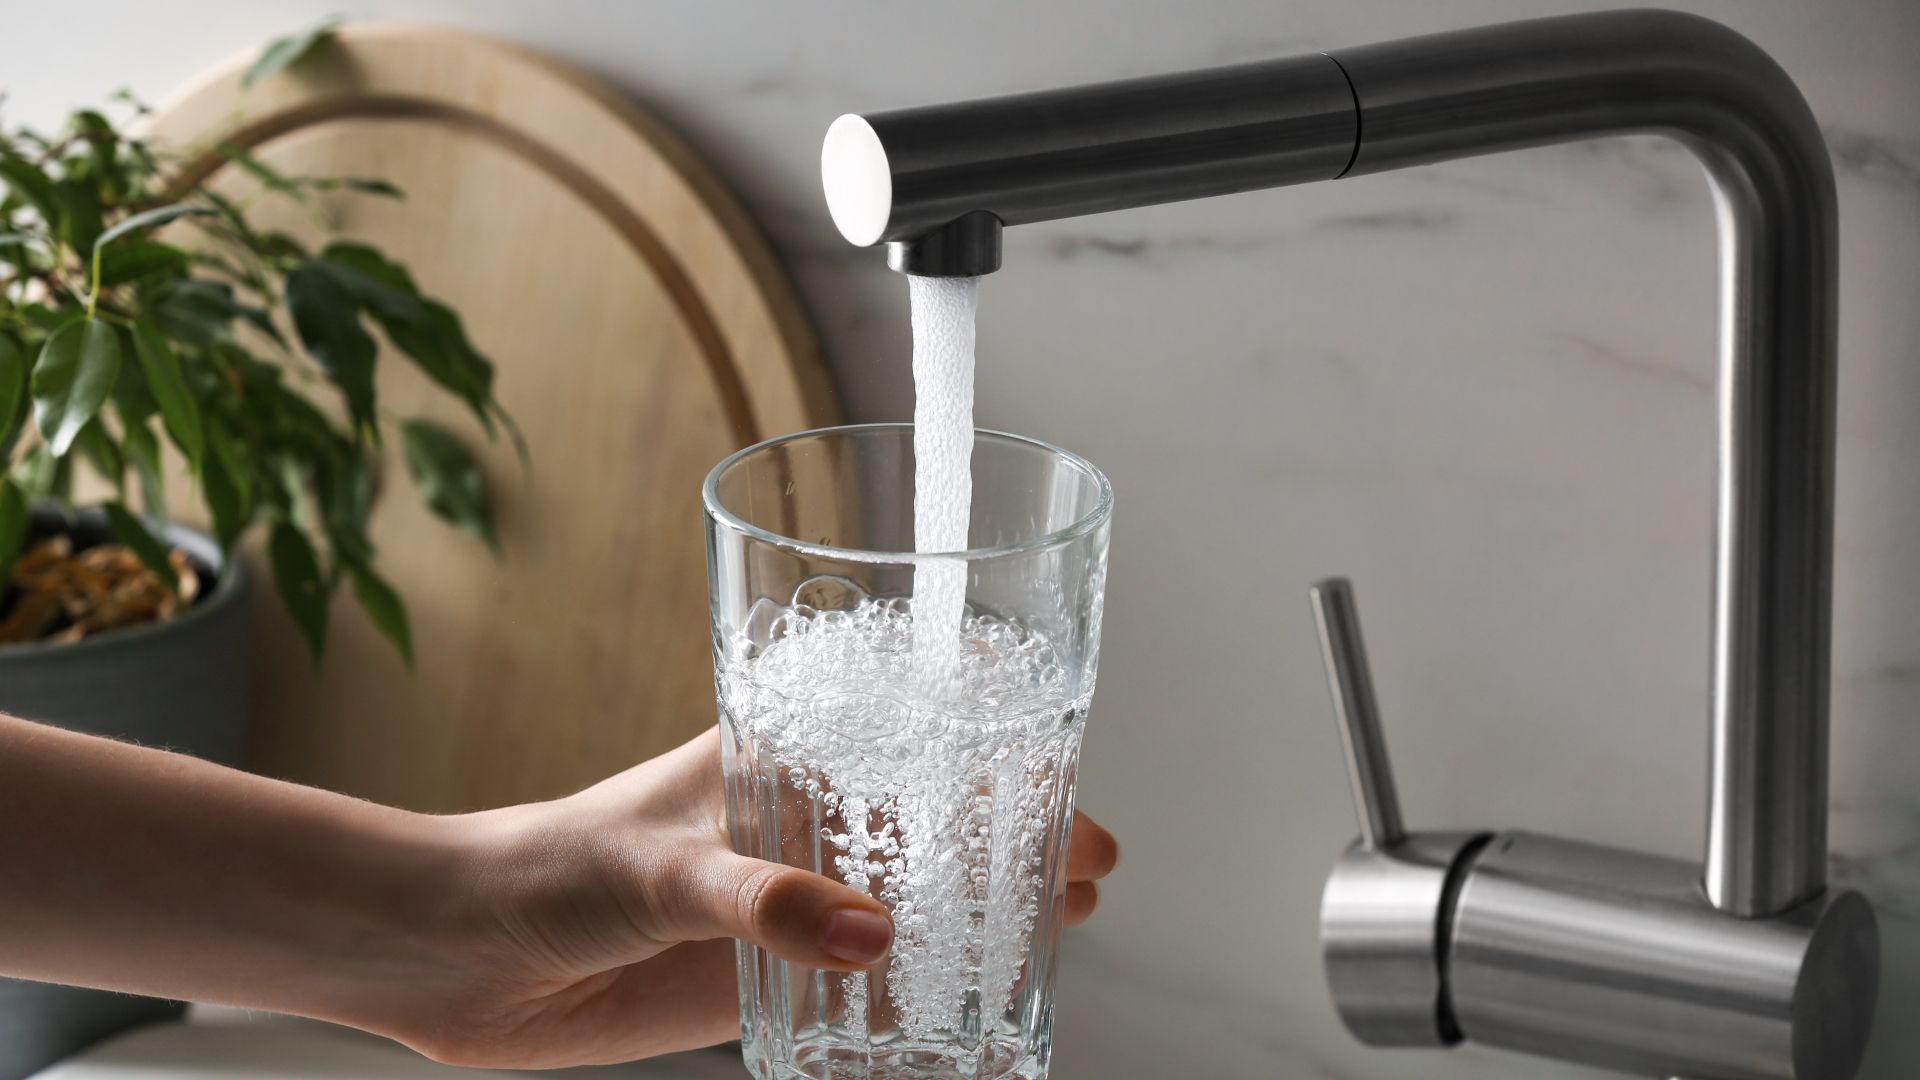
(460, 930)
(398, 924)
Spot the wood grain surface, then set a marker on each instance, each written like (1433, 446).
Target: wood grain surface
(641, 331)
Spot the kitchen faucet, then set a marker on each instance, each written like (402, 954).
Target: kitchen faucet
(1745, 965)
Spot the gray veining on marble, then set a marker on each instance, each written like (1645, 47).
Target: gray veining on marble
(1480, 389)
(1875, 159)
(1414, 218)
(1594, 350)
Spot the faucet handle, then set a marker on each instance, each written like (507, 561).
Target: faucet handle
(1357, 713)
(1387, 901)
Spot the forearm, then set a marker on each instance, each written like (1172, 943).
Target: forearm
(134, 869)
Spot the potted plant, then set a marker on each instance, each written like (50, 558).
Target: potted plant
(237, 359)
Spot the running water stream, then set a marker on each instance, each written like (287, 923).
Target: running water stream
(943, 340)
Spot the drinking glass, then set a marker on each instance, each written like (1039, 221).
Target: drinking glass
(950, 801)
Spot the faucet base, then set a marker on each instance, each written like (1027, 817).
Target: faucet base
(1617, 959)
(1595, 955)
(1384, 928)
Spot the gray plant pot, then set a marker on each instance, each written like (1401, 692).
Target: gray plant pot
(180, 685)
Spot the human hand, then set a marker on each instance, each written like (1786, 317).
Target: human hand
(597, 928)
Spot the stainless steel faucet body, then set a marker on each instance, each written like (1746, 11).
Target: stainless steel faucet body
(1744, 965)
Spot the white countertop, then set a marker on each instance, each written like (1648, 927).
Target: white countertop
(216, 1042)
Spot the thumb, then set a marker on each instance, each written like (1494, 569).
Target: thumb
(800, 916)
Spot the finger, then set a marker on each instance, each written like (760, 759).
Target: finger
(1082, 898)
(1093, 852)
(800, 916)
(687, 775)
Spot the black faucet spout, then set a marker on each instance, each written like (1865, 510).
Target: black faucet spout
(925, 180)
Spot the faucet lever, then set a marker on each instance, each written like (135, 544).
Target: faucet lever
(1358, 713)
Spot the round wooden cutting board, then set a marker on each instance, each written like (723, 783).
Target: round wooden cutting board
(641, 331)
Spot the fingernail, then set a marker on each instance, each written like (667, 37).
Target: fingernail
(857, 936)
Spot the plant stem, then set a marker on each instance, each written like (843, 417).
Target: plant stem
(93, 283)
(55, 151)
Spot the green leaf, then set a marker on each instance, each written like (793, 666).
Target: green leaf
(132, 533)
(245, 275)
(201, 312)
(142, 163)
(39, 473)
(367, 186)
(300, 187)
(363, 185)
(230, 212)
(270, 178)
(296, 575)
(291, 492)
(178, 409)
(78, 224)
(327, 316)
(439, 347)
(289, 418)
(13, 526)
(99, 449)
(519, 438)
(228, 492)
(343, 484)
(428, 332)
(60, 480)
(125, 95)
(259, 318)
(13, 393)
(103, 144)
(449, 479)
(195, 311)
(152, 219)
(282, 52)
(132, 397)
(72, 378)
(384, 607)
(279, 245)
(28, 181)
(49, 319)
(371, 263)
(142, 450)
(31, 138)
(132, 261)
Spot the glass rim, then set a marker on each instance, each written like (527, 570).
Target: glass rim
(1085, 523)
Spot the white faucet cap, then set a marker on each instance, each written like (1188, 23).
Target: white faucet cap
(857, 179)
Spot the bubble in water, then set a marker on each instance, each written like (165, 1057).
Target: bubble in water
(941, 806)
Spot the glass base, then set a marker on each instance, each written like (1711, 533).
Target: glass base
(835, 1059)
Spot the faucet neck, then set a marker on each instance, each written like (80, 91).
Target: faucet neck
(1473, 92)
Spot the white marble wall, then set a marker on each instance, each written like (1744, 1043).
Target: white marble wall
(1481, 389)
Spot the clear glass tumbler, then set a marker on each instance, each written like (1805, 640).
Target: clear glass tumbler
(950, 800)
